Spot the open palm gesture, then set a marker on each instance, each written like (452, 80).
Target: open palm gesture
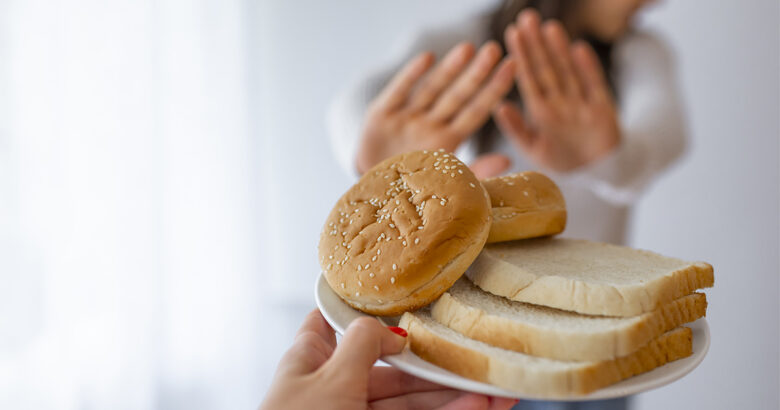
(570, 118)
(431, 107)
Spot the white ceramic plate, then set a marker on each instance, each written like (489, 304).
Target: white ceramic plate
(339, 315)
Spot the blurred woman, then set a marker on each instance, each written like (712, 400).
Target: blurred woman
(601, 114)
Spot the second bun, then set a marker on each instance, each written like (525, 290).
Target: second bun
(525, 205)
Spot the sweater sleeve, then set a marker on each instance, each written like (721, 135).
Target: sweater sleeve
(347, 110)
(653, 134)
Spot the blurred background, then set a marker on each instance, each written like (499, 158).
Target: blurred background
(165, 170)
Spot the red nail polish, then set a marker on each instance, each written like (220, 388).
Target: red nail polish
(399, 331)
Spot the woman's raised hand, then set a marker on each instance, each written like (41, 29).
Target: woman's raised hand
(430, 107)
(570, 118)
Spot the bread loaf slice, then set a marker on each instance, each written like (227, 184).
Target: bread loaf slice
(586, 277)
(535, 376)
(554, 333)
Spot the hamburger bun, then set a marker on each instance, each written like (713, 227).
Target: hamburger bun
(404, 233)
(524, 205)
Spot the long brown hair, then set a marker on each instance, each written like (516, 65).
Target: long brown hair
(561, 10)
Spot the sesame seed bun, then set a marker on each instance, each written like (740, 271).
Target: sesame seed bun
(404, 233)
(525, 205)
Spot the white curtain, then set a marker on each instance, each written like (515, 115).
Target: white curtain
(133, 207)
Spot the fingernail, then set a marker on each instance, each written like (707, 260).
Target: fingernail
(399, 331)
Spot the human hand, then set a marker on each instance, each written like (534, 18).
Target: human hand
(426, 107)
(570, 118)
(317, 374)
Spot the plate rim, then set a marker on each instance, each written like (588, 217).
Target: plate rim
(446, 378)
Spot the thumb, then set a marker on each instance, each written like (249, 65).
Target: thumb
(490, 165)
(511, 123)
(364, 342)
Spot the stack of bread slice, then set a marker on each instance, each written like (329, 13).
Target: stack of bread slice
(553, 317)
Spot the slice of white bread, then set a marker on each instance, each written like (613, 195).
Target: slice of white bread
(536, 376)
(586, 277)
(554, 333)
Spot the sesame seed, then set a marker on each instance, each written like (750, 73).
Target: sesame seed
(416, 191)
(472, 185)
(425, 151)
(433, 196)
(378, 251)
(443, 202)
(392, 226)
(376, 287)
(435, 154)
(360, 284)
(404, 243)
(357, 293)
(328, 267)
(342, 285)
(371, 275)
(416, 241)
(460, 171)
(366, 267)
(392, 279)
(525, 177)
(452, 175)
(330, 257)
(419, 227)
(395, 266)
(360, 268)
(397, 202)
(525, 193)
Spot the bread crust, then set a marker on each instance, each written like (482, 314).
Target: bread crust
(525, 205)
(404, 233)
(499, 277)
(624, 337)
(559, 380)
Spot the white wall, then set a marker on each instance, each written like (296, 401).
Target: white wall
(719, 205)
